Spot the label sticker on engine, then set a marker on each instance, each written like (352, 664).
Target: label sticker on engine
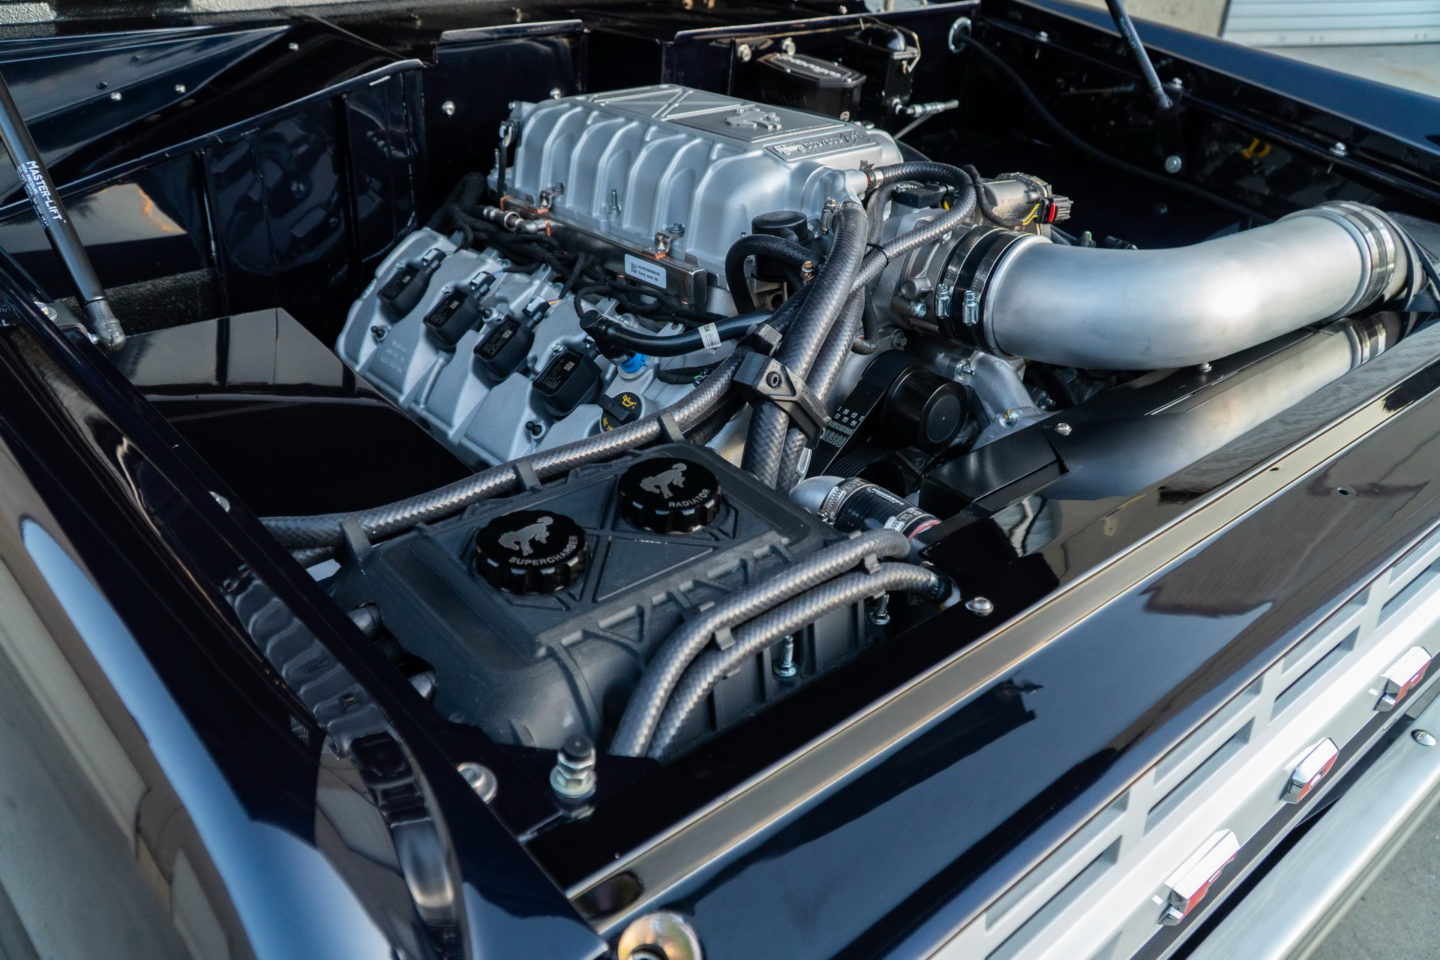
(709, 336)
(645, 271)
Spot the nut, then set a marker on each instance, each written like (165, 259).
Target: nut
(573, 776)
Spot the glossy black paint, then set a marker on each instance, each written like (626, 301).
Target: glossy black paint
(100, 496)
(283, 181)
(274, 411)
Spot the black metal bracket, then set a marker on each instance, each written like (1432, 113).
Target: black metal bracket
(766, 378)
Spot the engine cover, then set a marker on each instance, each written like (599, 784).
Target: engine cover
(537, 612)
(693, 166)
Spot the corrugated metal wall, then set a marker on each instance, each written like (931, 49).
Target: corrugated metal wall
(1300, 23)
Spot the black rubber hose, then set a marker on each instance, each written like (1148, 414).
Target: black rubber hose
(1094, 153)
(869, 340)
(787, 252)
(611, 333)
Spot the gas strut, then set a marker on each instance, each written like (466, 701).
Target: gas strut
(1131, 37)
(35, 178)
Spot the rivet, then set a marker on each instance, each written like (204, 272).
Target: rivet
(980, 606)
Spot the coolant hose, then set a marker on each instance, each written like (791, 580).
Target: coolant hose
(787, 252)
(326, 530)
(617, 335)
(658, 681)
(822, 381)
(714, 665)
(827, 294)
(1094, 308)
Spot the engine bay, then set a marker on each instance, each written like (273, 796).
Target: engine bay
(691, 409)
(868, 320)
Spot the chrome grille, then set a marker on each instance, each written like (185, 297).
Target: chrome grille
(1100, 894)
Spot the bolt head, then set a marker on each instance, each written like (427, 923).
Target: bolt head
(1063, 429)
(773, 379)
(292, 46)
(1173, 163)
(743, 53)
(117, 96)
(180, 88)
(448, 108)
(659, 936)
(556, 93)
(481, 779)
(918, 309)
(787, 45)
(1339, 149)
(980, 606)
(1424, 737)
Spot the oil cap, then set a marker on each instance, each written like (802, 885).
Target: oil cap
(531, 552)
(669, 495)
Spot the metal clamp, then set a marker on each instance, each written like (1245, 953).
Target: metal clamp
(766, 378)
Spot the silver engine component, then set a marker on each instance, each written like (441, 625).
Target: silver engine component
(672, 170)
(442, 386)
(1018, 295)
(661, 180)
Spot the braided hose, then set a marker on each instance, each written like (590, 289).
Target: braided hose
(713, 666)
(828, 293)
(642, 714)
(822, 380)
(787, 252)
(324, 530)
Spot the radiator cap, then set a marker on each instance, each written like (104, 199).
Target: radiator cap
(669, 495)
(531, 552)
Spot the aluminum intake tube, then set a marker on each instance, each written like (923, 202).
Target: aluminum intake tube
(1155, 309)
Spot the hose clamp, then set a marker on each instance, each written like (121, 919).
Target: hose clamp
(970, 270)
(1377, 240)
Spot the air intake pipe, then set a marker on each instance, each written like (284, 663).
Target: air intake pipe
(1156, 309)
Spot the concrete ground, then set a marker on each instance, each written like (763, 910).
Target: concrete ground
(1414, 66)
(1395, 919)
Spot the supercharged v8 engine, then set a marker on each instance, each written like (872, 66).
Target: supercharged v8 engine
(597, 483)
(650, 187)
(838, 349)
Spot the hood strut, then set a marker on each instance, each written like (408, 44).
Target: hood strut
(40, 187)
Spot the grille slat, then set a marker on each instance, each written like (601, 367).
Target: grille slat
(1228, 773)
